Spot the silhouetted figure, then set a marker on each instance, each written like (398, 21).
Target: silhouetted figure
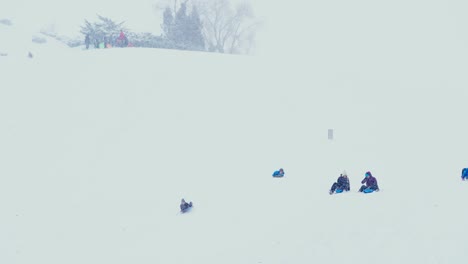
(184, 206)
(341, 184)
(370, 183)
(87, 41)
(122, 40)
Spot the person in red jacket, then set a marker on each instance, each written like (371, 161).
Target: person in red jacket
(122, 35)
(122, 40)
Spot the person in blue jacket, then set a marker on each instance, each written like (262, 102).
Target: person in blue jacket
(464, 174)
(342, 183)
(278, 173)
(370, 182)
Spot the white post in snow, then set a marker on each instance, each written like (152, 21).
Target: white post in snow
(330, 134)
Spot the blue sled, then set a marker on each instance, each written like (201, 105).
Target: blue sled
(367, 190)
(186, 210)
(339, 190)
(277, 174)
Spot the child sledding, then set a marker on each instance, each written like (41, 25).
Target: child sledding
(279, 173)
(464, 174)
(370, 184)
(342, 184)
(184, 206)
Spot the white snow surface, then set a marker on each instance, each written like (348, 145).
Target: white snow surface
(98, 147)
(17, 41)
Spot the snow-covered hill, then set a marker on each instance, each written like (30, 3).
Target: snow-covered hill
(20, 38)
(98, 147)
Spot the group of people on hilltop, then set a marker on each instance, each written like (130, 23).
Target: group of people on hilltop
(369, 184)
(108, 42)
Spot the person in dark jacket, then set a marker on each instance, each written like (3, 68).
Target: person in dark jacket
(342, 183)
(278, 173)
(87, 41)
(184, 206)
(370, 182)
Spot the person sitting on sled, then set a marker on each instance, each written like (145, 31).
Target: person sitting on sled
(341, 184)
(464, 174)
(370, 183)
(278, 173)
(184, 206)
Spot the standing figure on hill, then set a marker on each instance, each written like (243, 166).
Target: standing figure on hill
(122, 40)
(342, 184)
(464, 174)
(108, 42)
(87, 41)
(370, 183)
(184, 206)
(125, 42)
(278, 173)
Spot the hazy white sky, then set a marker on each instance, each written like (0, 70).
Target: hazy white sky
(348, 25)
(67, 15)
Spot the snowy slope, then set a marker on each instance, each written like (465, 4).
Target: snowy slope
(99, 146)
(17, 41)
(96, 156)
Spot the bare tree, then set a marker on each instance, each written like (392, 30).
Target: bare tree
(173, 5)
(227, 29)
